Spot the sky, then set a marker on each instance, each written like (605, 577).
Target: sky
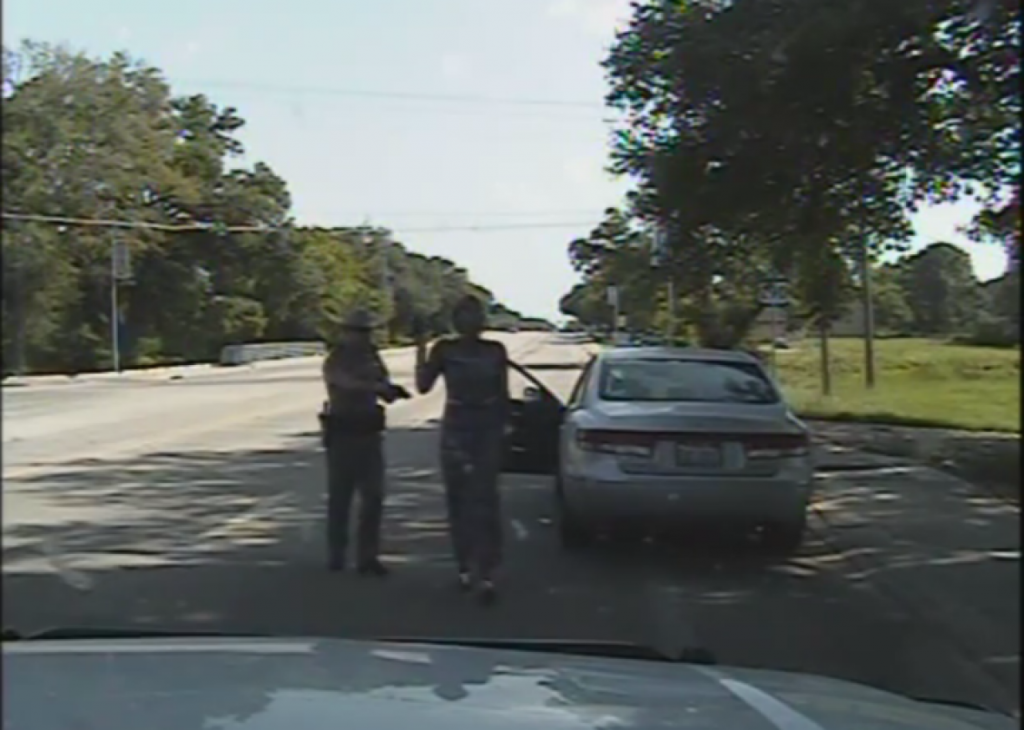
(341, 99)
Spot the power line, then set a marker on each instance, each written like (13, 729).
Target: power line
(211, 227)
(108, 223)
(543, 213)
(396, 95)
(508, 227)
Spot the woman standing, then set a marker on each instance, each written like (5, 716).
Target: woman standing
(475, 372)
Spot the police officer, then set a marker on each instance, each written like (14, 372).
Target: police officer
(475, 372)
(356, 378)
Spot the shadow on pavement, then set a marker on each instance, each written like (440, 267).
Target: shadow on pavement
(990, 460)
(233, 541)
(947, 553)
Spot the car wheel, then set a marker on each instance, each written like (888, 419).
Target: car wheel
(571, 532)
(784, 537)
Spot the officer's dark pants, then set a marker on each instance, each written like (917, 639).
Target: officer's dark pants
(355, 463)
(471, 463)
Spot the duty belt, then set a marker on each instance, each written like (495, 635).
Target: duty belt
(464, 404)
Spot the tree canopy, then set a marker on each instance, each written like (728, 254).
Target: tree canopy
(794, 138)
(107, 139)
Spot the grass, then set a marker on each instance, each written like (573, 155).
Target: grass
(917, 383)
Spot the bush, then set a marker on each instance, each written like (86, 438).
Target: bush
(992, 332)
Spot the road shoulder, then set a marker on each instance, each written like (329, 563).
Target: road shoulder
(991, 460)
(945, 551)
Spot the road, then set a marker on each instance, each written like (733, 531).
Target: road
(197, 504)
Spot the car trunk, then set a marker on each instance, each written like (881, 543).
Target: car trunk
(698, 439)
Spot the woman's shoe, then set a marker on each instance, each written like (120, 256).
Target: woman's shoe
(487, 594)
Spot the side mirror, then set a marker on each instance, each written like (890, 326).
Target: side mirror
(532, 394)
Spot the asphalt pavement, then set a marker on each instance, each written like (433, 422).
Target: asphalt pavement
(197, 504)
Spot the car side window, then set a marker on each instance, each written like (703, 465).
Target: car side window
(576, 397)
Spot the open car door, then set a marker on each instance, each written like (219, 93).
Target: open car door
(532, 432)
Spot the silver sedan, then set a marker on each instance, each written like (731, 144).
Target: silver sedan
(658, 435)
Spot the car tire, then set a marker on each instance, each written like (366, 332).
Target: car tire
(784, 537)
(571, 532)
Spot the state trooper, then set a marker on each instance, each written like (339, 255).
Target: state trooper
(356, 378)
(475, 372)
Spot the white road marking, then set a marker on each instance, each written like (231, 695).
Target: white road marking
(873, 471)
(670, 623)
(65, 571)
(775, 711)
(258, 516)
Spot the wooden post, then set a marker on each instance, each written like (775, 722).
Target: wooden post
(826, 364)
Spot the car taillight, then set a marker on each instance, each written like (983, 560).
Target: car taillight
(777, 446)
(621, 443)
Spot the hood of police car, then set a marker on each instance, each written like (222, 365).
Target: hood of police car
(245, 684)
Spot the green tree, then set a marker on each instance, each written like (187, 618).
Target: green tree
(941, 289)
(761, 130)
(587, 302)
(892, 311)
(94, 139)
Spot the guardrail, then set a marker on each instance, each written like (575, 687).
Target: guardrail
(243, 354)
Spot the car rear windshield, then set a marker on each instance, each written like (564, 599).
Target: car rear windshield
(704, 381)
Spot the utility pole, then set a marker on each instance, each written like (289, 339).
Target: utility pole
(661, 258)
(385, 284)
(826, 367)
(119, 269)
(383, 267)
(671, 309)
(115, 330)
(613, 300)
(385, 270)
(19, 297)
(773, 295)
(21, 304)
(869, 316)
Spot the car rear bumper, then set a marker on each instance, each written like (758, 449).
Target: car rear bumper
(656, 499)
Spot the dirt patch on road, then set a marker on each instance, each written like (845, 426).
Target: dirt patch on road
(988, 459)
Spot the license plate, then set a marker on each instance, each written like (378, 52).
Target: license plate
(704, 456)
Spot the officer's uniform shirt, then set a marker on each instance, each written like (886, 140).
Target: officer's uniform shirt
(359, 361)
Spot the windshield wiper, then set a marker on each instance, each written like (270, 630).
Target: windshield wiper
(603, 649)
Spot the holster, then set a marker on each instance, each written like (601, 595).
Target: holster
(360, 423)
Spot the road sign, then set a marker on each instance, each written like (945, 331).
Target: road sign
(774, 294)
(122, 263)
(659, 247)
(613, 296)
